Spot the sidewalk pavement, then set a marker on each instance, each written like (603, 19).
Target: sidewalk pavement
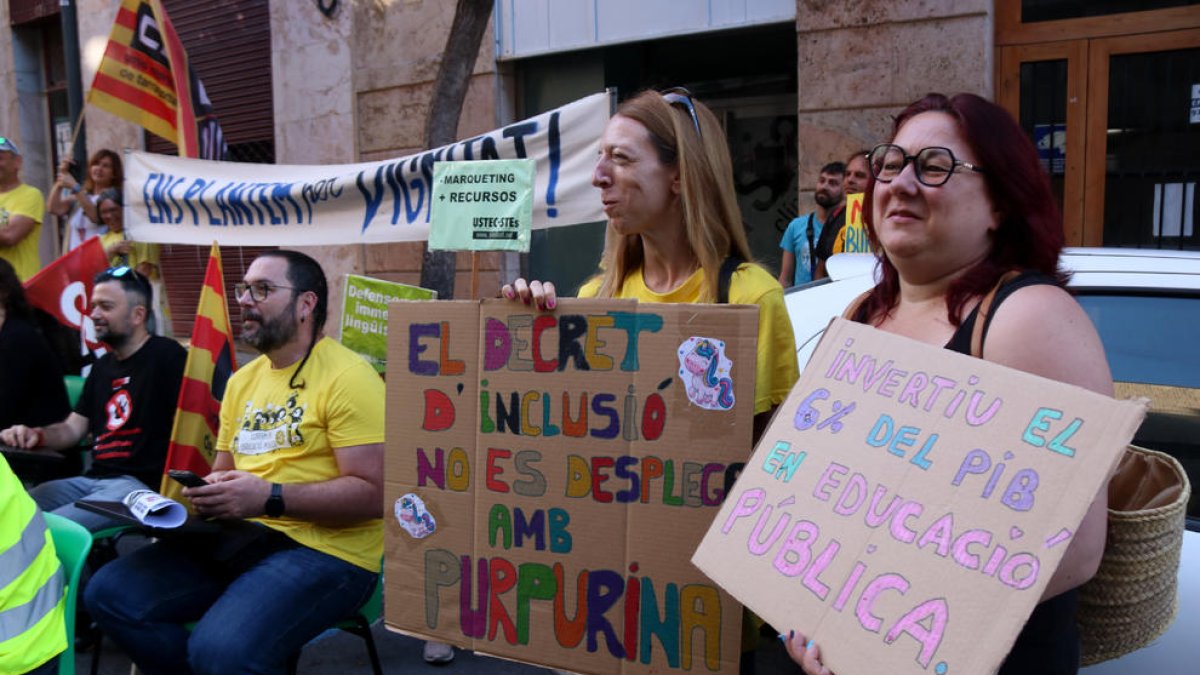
(341, 653)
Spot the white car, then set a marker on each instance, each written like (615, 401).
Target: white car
(1146, 306)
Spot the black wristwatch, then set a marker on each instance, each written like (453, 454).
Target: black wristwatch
(274, 506)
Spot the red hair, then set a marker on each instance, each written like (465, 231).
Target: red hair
(1030, 233)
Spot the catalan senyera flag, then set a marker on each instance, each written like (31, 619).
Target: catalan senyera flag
(144, 77)
(211, 360)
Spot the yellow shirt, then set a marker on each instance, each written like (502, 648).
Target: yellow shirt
(139, 252)
(776, 370)
(23, 200)
(285, 435)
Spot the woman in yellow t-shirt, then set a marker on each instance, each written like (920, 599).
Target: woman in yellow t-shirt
(666, 182)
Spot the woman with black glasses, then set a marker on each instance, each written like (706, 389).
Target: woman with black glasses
(958, 206)
(675, 233)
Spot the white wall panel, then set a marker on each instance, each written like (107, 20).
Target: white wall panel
(530, 27)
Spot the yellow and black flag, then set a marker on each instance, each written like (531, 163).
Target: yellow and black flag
(145, 78)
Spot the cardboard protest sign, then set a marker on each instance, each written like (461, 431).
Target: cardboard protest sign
(908, 504)
(482, 206)
(853, 237)
(550, 473)
(365, 314)
(172, 200)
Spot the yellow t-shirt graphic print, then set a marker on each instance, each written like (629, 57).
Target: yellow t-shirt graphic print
(271, 428)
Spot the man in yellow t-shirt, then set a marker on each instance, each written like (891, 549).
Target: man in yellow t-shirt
(21, 209)
(298, 483)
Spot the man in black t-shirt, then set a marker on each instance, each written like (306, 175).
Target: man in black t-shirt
(128, 405)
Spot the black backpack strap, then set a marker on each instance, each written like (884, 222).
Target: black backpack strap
(725, 275)
(812, 247)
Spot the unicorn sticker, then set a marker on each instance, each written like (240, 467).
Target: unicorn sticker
(412, 515)
(704, 369)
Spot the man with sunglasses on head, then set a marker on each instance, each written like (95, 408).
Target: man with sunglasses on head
(296, 489)
(21, 209)
(127, 405)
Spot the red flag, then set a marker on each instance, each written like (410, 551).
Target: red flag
(63, 289)
(211, 360)
(144, 77)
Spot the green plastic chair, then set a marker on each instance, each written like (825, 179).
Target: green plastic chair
(74, 385)
(360, 625)
(72, 542)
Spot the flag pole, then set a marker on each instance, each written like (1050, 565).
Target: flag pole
(474, 275)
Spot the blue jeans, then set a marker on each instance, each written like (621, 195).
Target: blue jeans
(251, 622)
(59, 497)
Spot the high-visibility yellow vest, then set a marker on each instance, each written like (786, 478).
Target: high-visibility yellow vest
(32, 628)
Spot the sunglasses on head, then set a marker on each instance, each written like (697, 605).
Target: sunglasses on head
(120, 272)
(682, 97)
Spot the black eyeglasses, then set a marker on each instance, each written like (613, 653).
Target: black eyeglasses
(683, 97)
(932, 165)
(259, 290)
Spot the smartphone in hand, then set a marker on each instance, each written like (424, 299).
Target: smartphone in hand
(186, 478)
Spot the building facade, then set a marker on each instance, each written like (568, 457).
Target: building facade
(1110, 91)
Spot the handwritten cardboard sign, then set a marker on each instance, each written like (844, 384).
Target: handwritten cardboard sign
(853, 237)
(908, 505)
(482, 205)
(365, 314)
(550, 473)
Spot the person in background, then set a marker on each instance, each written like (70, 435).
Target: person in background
(127, 405)
(31, 379)
(956, 202)
(670, 232)
(139, 255)
(104, 171)
(854, 182)
(799, 242)
(21, 211)
(33, 630)
(296, 486)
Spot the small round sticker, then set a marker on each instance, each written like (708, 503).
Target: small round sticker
(414, 517)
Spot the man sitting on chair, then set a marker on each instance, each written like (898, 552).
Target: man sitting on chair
(297, 483)
(128, 405)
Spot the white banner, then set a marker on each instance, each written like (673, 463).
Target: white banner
(172, 200)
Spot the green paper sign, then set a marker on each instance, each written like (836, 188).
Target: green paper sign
(365, 314)
(482, 205)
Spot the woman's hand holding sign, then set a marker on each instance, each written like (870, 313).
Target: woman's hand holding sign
(538, 293)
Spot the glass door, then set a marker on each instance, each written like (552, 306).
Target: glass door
(1117, 124)
(1044, 87)
(1144, 132)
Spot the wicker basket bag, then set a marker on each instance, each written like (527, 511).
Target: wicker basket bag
(1132, 599)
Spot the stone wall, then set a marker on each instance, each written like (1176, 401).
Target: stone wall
(397, 48)
(104, 130)
(861, 61)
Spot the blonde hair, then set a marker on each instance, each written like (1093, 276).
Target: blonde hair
(711, 218)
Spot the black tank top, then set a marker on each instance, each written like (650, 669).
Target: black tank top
(1049, 642)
